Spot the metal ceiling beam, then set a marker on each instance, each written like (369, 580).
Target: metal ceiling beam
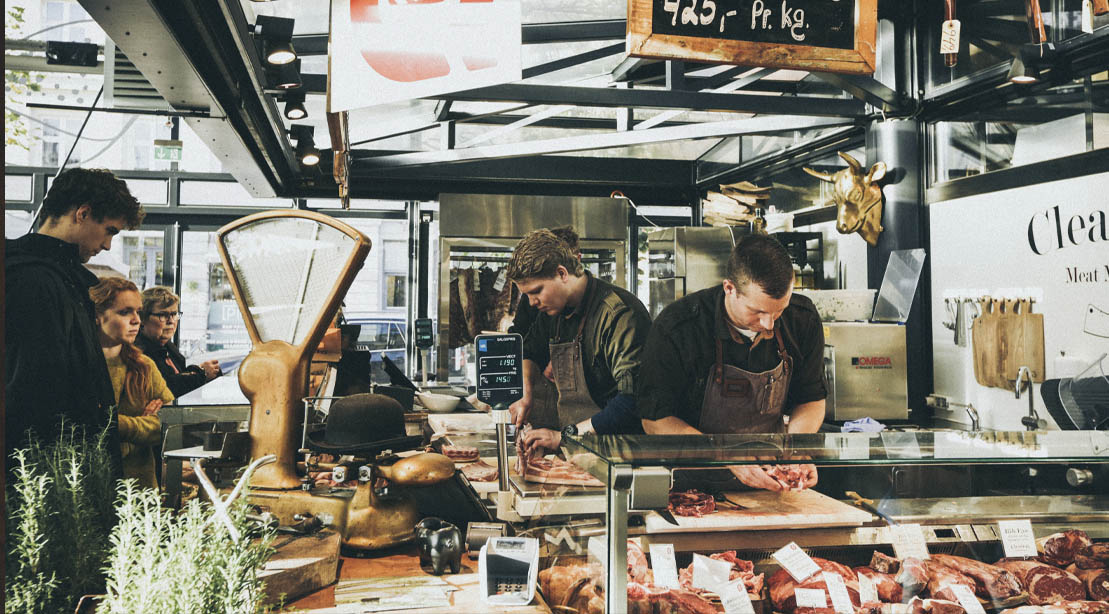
(565, 123)
(867, 89)
(761, 125)
(660, 99)
(573, 60)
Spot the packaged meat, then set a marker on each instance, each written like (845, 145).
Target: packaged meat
(480, 471)
(990, 582)
(883, 563)
(1044, 583)
(1059, 549)
(691, 503)
(459, 454)
(889, 589)
(783, 587)
(1096, 581)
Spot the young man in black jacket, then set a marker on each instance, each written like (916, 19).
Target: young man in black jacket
(54, 367)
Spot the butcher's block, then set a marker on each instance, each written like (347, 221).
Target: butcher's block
(763, 509)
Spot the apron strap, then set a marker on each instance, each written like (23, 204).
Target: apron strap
(719, 361)
(583, 305)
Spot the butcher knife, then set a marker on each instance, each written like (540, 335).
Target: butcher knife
(667, 516)
(868, 505)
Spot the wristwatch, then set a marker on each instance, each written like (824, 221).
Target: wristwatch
(569, 429)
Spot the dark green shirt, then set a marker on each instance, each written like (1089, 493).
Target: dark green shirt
(616, 327)
(681, 350)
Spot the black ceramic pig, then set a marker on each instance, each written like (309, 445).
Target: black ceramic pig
(440, 545)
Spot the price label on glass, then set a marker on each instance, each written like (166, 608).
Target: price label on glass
(500, 368)
(425, 336)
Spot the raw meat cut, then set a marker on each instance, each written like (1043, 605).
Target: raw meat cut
(783, 586)
(1059, 549)
(889, 590)
(942, 577)
(574, 588)
(1096, 581)
(480, 471)
(789, 476)
(990, 582)
(933, 606)
(1094, 556)
(691, 503)
(638, 569)
(913, 577)
(558, 471)
(1063, 607)
(883, 563)
(740, 569)
(459, 454)
(1045, 584)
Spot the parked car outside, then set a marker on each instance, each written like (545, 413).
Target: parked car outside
(382, 336)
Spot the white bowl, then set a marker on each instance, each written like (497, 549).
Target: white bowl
(438, 403)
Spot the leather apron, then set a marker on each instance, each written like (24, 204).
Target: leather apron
(739, 401)
(574, 402)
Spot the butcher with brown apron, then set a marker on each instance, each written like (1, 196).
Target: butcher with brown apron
(589, 332)
(739, 357)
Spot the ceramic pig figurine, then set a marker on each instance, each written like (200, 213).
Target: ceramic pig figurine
(440, 545)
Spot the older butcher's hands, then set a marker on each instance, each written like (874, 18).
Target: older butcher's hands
(755, 477)
(540, 442)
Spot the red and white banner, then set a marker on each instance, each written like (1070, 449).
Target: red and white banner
(389, 50)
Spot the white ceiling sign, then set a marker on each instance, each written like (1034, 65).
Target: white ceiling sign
(384, 52)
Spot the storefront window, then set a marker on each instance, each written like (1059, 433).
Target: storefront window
(211, 323)
(141, 252)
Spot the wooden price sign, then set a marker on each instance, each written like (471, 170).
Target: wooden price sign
(820, 35)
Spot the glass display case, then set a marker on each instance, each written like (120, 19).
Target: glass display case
(875, 492)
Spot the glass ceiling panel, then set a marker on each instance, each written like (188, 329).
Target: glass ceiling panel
(536, 55)
(545, 11)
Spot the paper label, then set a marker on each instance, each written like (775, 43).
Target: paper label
(967, 599)
(597, 549)
(841, 601)
(666, 569)
(794, 560)
(810, 598)
(908, 540)
(735, 599)
(949, 36)
(710, 574)
(502, 276)
(1087, 16)
(1017, 538)
(868, 593)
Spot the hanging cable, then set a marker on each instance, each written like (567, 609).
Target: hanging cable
(76, 140)
(619, 194)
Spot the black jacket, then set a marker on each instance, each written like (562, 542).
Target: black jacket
(54, 366)
(180, 381)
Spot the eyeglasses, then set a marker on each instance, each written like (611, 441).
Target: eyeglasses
(168, 315)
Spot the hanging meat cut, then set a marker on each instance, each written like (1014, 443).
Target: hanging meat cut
(691, 503)
(480, 471)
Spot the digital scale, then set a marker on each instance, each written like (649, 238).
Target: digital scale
(508, 568)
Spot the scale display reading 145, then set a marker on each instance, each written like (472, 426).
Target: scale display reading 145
(500, 368)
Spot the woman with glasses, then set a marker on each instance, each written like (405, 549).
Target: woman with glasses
(161, 311)
(139, 389)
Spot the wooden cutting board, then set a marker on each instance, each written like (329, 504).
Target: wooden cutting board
(763, 509)
(984, 342)
(1023, 332)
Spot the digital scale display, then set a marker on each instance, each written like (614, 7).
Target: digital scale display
(500, 368)
(424, 333)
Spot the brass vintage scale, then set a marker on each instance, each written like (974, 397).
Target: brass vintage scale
(289, 271)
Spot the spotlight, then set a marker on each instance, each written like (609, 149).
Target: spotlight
(306, 150)
(285, 76)
(294, 106)
(277, 36)
(1030, 59)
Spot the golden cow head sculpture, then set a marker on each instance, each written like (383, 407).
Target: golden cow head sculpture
(858, 198)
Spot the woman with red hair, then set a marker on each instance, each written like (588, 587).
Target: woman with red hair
(139, 388)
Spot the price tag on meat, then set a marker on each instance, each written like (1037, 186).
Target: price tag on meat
(500, 376)
(666, 569)
(868, 593)
(811, 598)
(734, 598)
(710, 574)
(841, 601)
(967, 599)
(1017, 538)
(796, 562)
(908, 540)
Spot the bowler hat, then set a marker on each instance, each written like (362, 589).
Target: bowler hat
(363, 424)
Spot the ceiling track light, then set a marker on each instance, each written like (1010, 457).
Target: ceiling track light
(1030, 60)
(294, 106)
(277, 39)
(306, 150)
(285, 76)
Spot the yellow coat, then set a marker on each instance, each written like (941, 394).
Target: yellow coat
(139, 434)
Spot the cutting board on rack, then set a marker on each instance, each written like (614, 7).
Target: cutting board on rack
(763, 510)
(984, 342)
(1006, 336)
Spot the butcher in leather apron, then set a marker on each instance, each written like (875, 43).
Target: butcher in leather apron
(739, 401)
(574, 403)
